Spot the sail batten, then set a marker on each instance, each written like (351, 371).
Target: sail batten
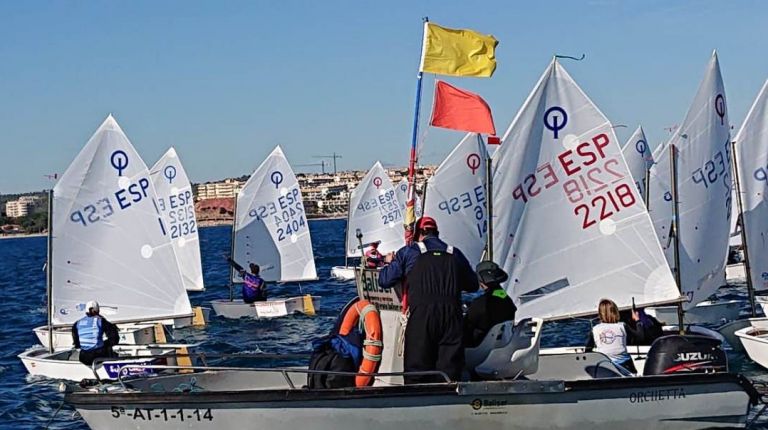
(176, 203)
(109, 243)
(569, 224)
(272, 229)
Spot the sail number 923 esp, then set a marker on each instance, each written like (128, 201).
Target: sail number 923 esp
(162, 414)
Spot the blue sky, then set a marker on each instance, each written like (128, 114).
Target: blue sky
(226, 81)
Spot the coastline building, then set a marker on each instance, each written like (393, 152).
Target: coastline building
(20, 207)
(227, 188)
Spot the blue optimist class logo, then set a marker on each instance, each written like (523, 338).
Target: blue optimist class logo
(277, 178)
(555, 119)
(720, 108)
(119, 160)
(169, 172)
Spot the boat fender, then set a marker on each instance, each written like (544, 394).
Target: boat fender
(365, 316)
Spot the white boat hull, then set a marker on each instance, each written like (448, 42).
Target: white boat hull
(754, 339)
(674, 402)
(272, 308)
(65, 365)
(706, 312)
(343, 273)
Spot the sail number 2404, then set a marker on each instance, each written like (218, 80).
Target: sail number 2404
(162, 414)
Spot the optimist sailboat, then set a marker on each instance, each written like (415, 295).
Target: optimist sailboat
(570, 227)
(375, 213)
(457, 197)
(751, 155)
(176, 203)
(564, 391)
(108, 243)
(271, 230)
(703, 145)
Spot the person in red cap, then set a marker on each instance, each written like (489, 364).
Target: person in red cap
(436, 274)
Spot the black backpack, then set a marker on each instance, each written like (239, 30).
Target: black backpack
(335, 353)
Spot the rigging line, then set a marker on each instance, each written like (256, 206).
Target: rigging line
(56, 412)
(570, 57)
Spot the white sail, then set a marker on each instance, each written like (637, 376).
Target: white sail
(660, 201)
(401, 189)
(456, 197)
(637, 152)
(110, 243)
(375, 210)
(703, 144)
(176, 203)
(569, 225)
(752, 161)
(271, 227)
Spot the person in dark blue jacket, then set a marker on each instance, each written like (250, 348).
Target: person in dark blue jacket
(88, 335)
(435, 274)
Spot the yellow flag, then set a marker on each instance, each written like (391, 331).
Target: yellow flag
(453, 52)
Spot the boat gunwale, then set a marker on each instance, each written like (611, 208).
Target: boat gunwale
(104, 400)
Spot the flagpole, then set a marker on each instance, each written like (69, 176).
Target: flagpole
(410, 209)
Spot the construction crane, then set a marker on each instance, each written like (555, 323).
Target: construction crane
(334, 156)
(321, 164)
(52, 176)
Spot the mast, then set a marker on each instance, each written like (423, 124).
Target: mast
(740, 222)
(488, 203)
(232, 249)
(676, 231)
(410, 210)
(647, 186)
(346, 233)
(49, 271)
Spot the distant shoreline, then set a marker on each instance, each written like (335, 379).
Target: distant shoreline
(219, 223)
(21, 235)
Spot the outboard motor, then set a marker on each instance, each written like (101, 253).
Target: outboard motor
(685, 354)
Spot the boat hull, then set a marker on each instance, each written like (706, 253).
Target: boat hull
(267, 309)
(754, 339)
(343, 273)
(675, 402)
(65, 365)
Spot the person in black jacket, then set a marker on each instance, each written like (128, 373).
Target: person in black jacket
(88, 335)
(492, 308)
(436, 274)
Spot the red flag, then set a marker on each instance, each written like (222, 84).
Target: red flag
(494, 140)
(462, 110)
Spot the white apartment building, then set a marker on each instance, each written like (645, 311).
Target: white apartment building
(19, 208)
(217, 190)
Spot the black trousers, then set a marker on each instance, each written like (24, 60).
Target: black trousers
(88, 357)
(433, 341)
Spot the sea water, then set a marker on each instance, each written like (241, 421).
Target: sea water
(27, 402)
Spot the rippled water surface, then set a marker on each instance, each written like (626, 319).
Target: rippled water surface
(28, 403)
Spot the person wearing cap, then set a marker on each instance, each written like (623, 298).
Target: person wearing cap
(88, 335)
(373, 258)
(492, 308)
(254, 287)
(435, 274)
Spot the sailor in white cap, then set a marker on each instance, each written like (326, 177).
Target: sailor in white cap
(88, 335)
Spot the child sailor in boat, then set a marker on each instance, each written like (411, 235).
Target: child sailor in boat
(254, 288)
(88, 335)
(610, 336)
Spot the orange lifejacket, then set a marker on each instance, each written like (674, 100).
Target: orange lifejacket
(372, 345)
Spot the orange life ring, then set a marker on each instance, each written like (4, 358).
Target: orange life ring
(372, 346)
